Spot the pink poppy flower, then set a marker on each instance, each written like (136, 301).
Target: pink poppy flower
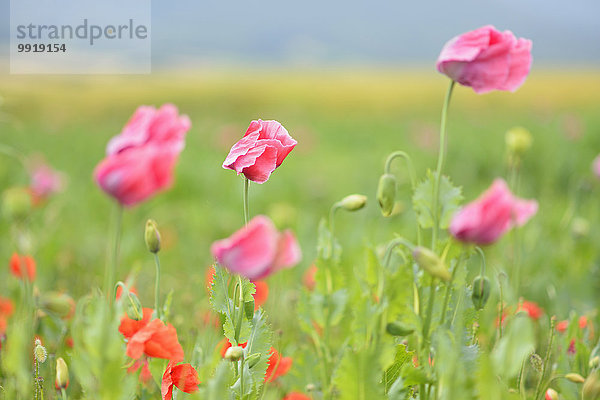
(257, 250)
(140, 161)
(496, 211)
(262, 149)
(45, 181)
(486, 59)
(596, 166)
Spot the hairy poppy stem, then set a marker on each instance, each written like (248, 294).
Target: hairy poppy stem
(157, 287)
(438, 170)
(539, 389)
(111, 267)
(245, 197)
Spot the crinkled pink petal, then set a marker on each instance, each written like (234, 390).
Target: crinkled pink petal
(274, 130)
(240, 149)
(263, 164)
(520, 64)
(249, 251)
(463, 48)
(523, 210)
(289, 252)
(135, 132)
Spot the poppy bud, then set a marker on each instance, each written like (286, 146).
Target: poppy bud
(62, 374)
(16, 203)
(134, 308)
(397, 328)
(591, 387)
(353, 202)
(430, 262)
(386, 194)
(481, 291)
(253, 360)
(518, 140)
(234, 353)
(249, 309)
(536, 362)
(594, 362)
(40, 352)
(575, 378)
(59, 304)
(551, 395)
(152, 236)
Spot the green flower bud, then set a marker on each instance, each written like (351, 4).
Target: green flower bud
(386, 194)
(16, 203)
(353, 202)
(234, 353)
(59, 304)
(134, 308)
(397, 328)
(575, 378)
(591, 387)
(40, 352)
(594, 362)
(536, 362)
(152, 236)
(518, 140)
(62, 374)
(253, 359)
(430, 262)
(249, 309)
(481, 292)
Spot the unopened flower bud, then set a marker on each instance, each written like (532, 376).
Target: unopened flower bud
(16, 203)
(518, 140)
(152, 236)
(249, 309)
(58, 304)
(62, 374)
(536, 362)
(253, 359)
(353, 202)
(430, 262)
(551, 394)
(397, 328)
(40, 352)
(591, 387)
(134, 308)
(594, 362)
(311, 387)
(234, 353)
(481, 291)
(386, 194)
(575, 378)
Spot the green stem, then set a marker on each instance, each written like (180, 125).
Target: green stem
(449, 289)
(539, 388)
(392, 245)
(242, 378)
(112, 266)
(246, 202)
(63, 393)
(428, 316)
(332, 211)
(157, 287)
(440, 165)
(238, 326)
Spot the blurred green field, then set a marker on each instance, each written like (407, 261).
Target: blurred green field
(346, 123)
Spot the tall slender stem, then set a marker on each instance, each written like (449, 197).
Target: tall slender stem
(111, 267)
(157, 287)
(539, 388)
(440, 166)
(63, 393)
(246, 205)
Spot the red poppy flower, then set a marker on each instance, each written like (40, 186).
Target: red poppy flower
(562, 326)
(6, 306)
(571, 350)
(225, 344)
(132, 289)
(296, 396)
(277, 366)
(153, 338)
(532, 309)
(22, 267)
(583, 322)
(261, 295)
(145, 374)
(309, 277)
(184, 376)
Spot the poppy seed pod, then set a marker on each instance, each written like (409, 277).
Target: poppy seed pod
(152, 236)
(430, 262)
(62, 374)
(40, 352)
(481, 292)
(397, 328)
(386, 194)
(234, 353)
(518, 140)
(353, 202)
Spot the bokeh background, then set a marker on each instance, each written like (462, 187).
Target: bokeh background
(351, 82)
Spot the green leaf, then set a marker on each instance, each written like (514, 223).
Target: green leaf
(358, 375)
(218, 386)
(219, 292)
(450, 197)
(514, 347)
(259, 342)
(392, 373)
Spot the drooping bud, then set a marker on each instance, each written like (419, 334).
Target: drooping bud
(40, 352)
(58, 304)
(591, 387)
(594, 362)
(481, 291)
(152, 236)
(551, 394)
(430, 262)
(234, 353)
(575, 378)
(536, 362)
(518, 140)
(353, 202)
(134, 308)
(386, 194)
(253, 359)
(62, 374)
(16, 203)
(398, 328)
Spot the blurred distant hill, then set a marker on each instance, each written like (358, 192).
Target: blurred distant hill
(380, 32)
